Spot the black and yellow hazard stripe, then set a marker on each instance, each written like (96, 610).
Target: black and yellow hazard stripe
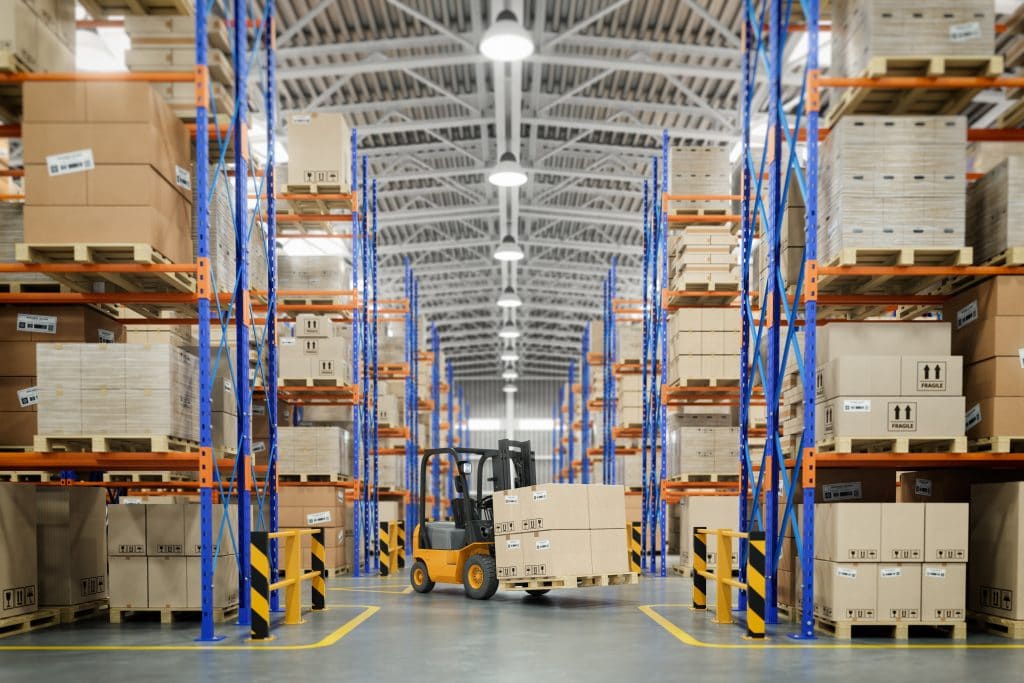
(635, 538)
(319, 584)
(400, 545)
(700, 564)
(384, 548)
(259, 561)
(755, 585)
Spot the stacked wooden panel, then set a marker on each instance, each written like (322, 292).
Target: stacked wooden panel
(995, 210)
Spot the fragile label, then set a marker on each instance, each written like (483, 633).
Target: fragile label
(935, 572)
(851, 490)
(902, 417)
(504, 527)
(302, 119)
(319, 517)
(543, 544)
(890, 572)
(44, 324)
(70, 162)
(131, 549)
(93, 585)
(29, 396)
(997, 598)
(514, 544)
(923, 487)
(19, 596)
(931, 376)
(540, 495)
(511, 500)
(846, 572)
(973, 417)
(961, 33)
(967, 315)
(183, 178)
(857, 406)
(950, 554)
(170, 549)
(858, 554)
(106, 337)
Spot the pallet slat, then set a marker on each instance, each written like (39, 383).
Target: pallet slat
(169, 615)
(846, 630)
(548, 582)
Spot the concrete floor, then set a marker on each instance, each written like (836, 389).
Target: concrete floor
(375, 630)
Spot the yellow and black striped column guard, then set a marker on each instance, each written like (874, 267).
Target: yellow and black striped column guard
(635, 537)
(755, 584)
(259, 561)
(400, 545)
(319, 584)
(384, 548)
(700, 564)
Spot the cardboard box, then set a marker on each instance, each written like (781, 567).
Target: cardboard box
(945, 532)
(508, 551)
(223, 530)
(863, 375)
(710, 512)
(17, 428)
(943, 591)
(165, 530)
(607, 506)
(902, 526)
(557, 553)
(168, 580)
(129, 579)
(997, 376)
(554, 506)
(16, 394)
(225, 582)
(837, 340)
(126, 526)
(916, 417)
(846, 591)
(899, 591)
(997, 550)
(58, 324)
(609, 551)
(71, 545)
(931, 376)
(18, 358)
(848, 532)
(319, 150)
(994, 417)
(19, 587)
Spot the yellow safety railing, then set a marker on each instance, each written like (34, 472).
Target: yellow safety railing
(722, 576)
(262, 585)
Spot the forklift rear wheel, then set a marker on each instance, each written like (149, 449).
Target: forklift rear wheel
(480, 577)
(539, 592)
(419, 577)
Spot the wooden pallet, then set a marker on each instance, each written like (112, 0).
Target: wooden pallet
(917, 101)
(332, 572)
(997, 444)
(680, 570)
(706, 382)
(549, 582)
(33, 621)
(69, 614)
(890, 444)
(168, 615)
(788, 614)
(306, 478)
(105, 444)
(12, 63)
(32, 287)
(890, 283)
(846, 630)
(143, 477)
(15, 449)
(998, 626)
(314, 188)
(318, 301)
(710, 477)
(727, 293)
(26, 476)
(105, 9)
(311, 382)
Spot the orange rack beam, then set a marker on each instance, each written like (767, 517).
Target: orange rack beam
(345, 395)
(312, 217)
(127, 76)
(392, 432)
(627, 433)
(687, 219)
(114, 460)
(910, 461)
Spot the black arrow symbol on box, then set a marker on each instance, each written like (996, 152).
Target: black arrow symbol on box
(927, 372)
(908, 412)
(897, 412)
(938, 371)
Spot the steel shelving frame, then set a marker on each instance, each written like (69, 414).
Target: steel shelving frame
(609, 350)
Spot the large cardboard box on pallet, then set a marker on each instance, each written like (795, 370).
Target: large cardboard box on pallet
(710, 512)
(552, 552)
(995, 210)
(899, 591)
(71, 545)
(996, 572)
(19, 586)
(319, 150)
(225, 582)
(987, 320)
(838, 340)
(126, 530)
(848, 532)
(128, 579)
(913, 417)
(38, 42)
(943, 591)
(946, 532)
(846, 591)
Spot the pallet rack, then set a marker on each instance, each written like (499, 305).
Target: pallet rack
(767, 25)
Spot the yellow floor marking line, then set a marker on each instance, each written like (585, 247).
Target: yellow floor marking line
(686, 639)
(372, 590)
(327, 641)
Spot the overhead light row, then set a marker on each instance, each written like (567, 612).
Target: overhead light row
(506, 40)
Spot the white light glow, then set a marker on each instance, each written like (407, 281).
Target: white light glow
(537, 424)
(506, 40)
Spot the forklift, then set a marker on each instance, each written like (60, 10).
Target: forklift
(462, 550)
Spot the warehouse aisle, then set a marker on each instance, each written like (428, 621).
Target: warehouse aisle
(599, 634)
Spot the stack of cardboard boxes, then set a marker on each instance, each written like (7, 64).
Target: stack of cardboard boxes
(154, 557)
(314, 450)
(37, 35)
(988, 326)
(560, 530)
(996, 572)
(319, 152)
(21, 330)
(995, 210)
(709, 512)
(71, 544)
(19, 583)
(106, 163)
(319, 353)
(320, 507)
(312, 272)
(704, 344)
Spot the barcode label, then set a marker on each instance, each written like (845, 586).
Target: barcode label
(512, 545)
(846, 572)
(106, 336)
(961, 33)
(29, 396)
(543, 544)
(258, 447)
(967, 315)
(319, 517)
(511, 500)
(857, 406)
(540, 495)
(70, 162)
(890, 572)
(302, 119)
(183, 178)
(935, 572)
(45, 324)
(973, 417)
(923, 487)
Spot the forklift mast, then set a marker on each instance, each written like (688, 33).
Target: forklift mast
(514, 466)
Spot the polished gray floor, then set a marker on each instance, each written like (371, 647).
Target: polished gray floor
(596, 634)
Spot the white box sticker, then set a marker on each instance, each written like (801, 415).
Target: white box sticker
(511, 500)
(513, 544)
(45, 324)
(540, 495)
(106, 336)
(923, 487)
(890, 572)
(29, 396)
(973, 417)
(70, 162)
(857, 406)
(543, 544)
(967, 315)
(319, 517)
(302, 119)
(935, 572)
(182, 178)
(288, 341)
(1020, 354)
(258, 447)
(259, 409)
(846, 572)
(961, 33)
(851, 490)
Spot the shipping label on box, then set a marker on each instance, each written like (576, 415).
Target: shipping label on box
(943, 591)
(899, 592)
(509, 556)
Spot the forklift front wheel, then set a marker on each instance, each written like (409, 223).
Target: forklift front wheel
(419, 577)
(480, 577)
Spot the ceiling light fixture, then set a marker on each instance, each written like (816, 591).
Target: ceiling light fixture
(509, 331)
(509, 299)
(508, 250)
(509, 356)
(509, 388)
(507, 172)
(510, 374)
(506, 40)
